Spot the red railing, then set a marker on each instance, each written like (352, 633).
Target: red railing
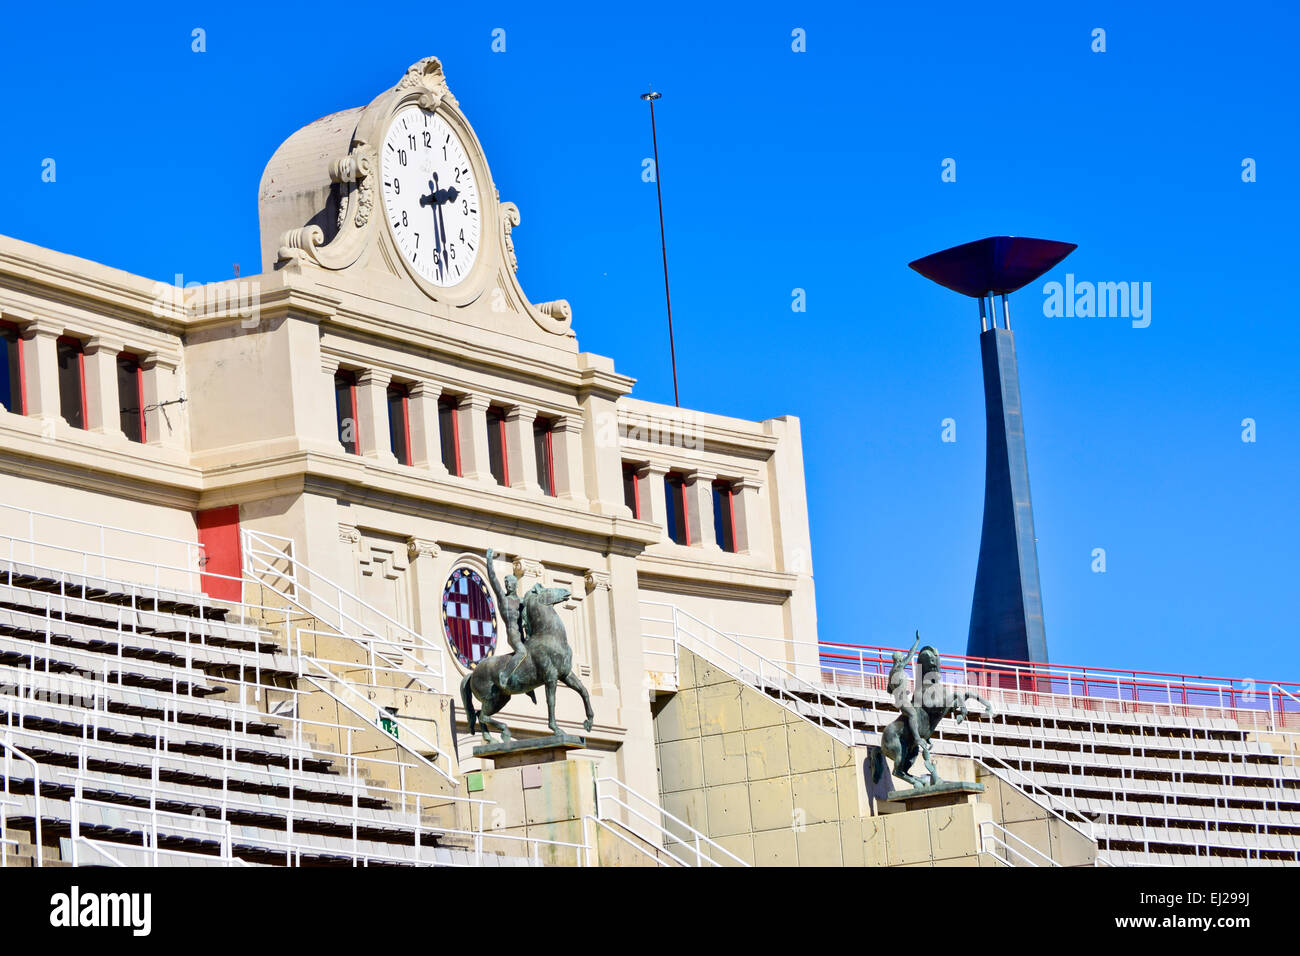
(1099, 688)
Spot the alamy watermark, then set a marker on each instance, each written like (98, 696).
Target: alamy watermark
(1102, 300)
(239, 298)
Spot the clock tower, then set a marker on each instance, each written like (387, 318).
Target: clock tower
(399, 195)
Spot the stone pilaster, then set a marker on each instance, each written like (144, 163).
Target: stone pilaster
(699, 510)
(373, 440)
(566, 448)
(41, 368)
(521, 456)
(161, 423)
(471, 417)
(103, 405)
(426, 440)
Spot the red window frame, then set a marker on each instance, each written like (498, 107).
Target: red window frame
(547, 428)
(454, 414)
(22, 366)
(630, 471)
(76, 343)
(350, 379)
(497, 414)
(139, 392)
(675, 484)
(727, 492)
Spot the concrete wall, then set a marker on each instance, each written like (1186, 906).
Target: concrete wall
(764, 783)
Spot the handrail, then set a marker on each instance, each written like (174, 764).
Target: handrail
(653, 853)
(1119, 685)
(1089, 833)
(380, 713)
(1031, 669)
(88, 842)
(1273, 722)
(985, 837)
(10, 749)
(255, 563)
(619, 784)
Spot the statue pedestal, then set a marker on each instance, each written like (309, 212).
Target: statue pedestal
(943, 794)
(542, 799)
(529, 750)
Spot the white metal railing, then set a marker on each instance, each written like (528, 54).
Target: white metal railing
(1019, 780)
(1000, 838)
(359, 704)
(640, 807)
(594, 844)
(339, 608)
(181, 566)
(12, 751)
(93, 845)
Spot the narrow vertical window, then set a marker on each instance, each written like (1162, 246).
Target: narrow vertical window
(542, 444)
(130, 396)
(675, 501)
(448, 435)
(497, 461)
(345, 408)
(632, 490)
(724, 515)
(11, 370)
(72, 382)
(399, 422)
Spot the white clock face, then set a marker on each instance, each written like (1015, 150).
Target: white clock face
(430, 196)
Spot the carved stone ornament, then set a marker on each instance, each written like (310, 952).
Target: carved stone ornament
(415, 547)
(355, 174)
(510, 219)
(597, 580)
(427, 75)
(528, 567)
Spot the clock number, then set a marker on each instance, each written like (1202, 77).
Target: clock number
(458, 175)
(417, 240)
(401, 156)
(464, 206)
(462, 235)
(397, 187)
(411, 139)
(451, 250)
(428, 140)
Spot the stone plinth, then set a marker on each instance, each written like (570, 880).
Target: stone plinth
(943, 794)
(530, 750)
(537, 801)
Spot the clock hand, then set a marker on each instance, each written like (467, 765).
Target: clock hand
(441, 197)
(433, 200)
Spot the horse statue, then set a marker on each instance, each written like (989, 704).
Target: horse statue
(900, 743)
(548, 661)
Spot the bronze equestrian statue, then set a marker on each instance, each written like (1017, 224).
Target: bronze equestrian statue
(547, 662)
(900, 743)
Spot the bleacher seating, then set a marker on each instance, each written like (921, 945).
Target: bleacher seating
(143, 710)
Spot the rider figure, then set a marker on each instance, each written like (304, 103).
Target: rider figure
(897, 688)
(512, 612)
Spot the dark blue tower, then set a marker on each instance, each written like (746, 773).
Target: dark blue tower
(1006, 619)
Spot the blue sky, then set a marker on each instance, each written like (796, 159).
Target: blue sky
(817, 170)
